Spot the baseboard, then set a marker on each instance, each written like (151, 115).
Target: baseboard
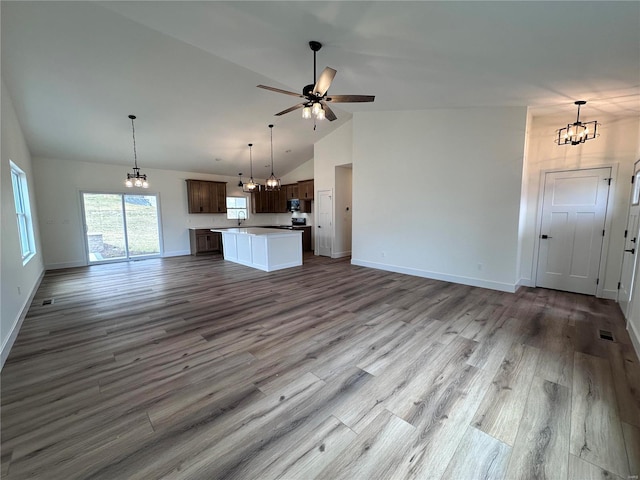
(17, 324)
(473, 282)
(341, 254)
(525, 282)
(176, 253)
(610, 294)
(635, 337)
(57, 266)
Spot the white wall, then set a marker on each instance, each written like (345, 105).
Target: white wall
(58, 186)
(617, 146)
(18, 282)
(333, 151)
(436, 193)
(303, 172)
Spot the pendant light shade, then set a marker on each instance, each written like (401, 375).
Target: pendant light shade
(135, 179)
(272, 183)
(578, 132)
(250, 186)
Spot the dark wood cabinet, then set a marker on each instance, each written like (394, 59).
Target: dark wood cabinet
(306, 238)
(220, 197)
(206, 197)
(269, 201)
(204, 241)
(305, 190)
(291, 191)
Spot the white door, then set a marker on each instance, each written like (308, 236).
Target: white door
(324, 229)
(572, 230)
(630, 244)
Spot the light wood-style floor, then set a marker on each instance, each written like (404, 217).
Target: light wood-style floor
(193, 368)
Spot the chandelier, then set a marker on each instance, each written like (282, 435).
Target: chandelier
(135, 179)
(251, 185)
(577, 132)
(272, 183)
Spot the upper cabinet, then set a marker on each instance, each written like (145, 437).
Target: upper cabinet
(305, 190)
(291, 191)
(269, 201)
(206, 197)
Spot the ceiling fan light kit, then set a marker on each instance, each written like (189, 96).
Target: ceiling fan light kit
(578, 132)
(135, 179)
(315, 94)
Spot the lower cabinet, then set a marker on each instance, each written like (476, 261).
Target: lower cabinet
(204, 241)
(306, 238)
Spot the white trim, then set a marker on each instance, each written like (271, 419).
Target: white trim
(635, 338)
(609, 295)
(525, 282)
(17, 324)
(341, 254)
(176, 253)
(57, 266)
(473, 282)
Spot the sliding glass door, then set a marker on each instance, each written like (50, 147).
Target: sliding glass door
(120, 227)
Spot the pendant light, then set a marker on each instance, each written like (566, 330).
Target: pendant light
(577, 132)
(272, 182)
(250, 186)
(135, 179)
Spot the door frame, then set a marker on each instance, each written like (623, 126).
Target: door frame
(316, 222)
(607, 224)
(83, 226)
(626, 313)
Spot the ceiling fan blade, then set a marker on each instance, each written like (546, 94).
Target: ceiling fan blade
(350, 98)
(328, 113)
(279, 90)
(291, 109)
(324, 81)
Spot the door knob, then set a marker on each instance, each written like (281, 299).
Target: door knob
(632, 251)
(319, 226)
(544, 237)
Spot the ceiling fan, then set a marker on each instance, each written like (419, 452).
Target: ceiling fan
(315, 95)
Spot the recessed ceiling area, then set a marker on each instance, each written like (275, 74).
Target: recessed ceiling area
(189, 70)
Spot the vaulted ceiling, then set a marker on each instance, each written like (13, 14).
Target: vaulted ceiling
(189, 70)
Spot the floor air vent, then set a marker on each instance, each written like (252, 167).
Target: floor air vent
(606, 335)
(48, 301)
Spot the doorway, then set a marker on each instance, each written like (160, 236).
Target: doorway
(574, 208)
(120, 227)
(631, 235)
(324, 229)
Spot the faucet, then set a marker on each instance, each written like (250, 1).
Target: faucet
(241, 219)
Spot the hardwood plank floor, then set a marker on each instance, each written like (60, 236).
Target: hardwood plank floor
(196, 368)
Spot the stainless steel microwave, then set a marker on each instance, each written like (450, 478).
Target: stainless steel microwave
(293, 205)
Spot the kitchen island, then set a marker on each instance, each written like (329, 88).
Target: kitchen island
(266, 249)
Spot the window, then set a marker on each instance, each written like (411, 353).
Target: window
(237, 207)
(23, 212)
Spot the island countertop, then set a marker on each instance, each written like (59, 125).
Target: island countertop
(257, 231)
